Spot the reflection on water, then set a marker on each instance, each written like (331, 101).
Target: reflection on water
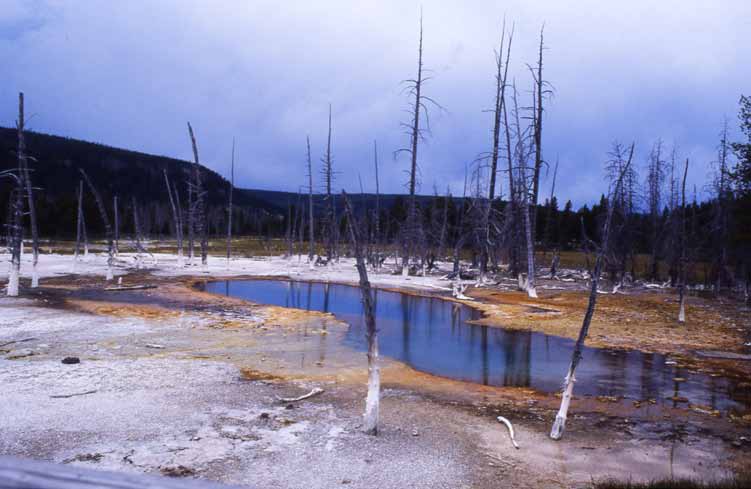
(434, 336)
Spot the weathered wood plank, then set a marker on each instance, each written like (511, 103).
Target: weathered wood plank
(20, 473)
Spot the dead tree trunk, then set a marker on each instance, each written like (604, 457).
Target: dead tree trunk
(180, 223)
(311, 229)
(79, 223)
(176, 221)
(15, 229)
(229, 205)
(521, 154)
(23, 163)
(568, 385)
(328, 179)
(105, 221)
(377, 220)
(411, 231)
(539, 84)
(116, 243)
(200, 200)
(191, 224)
(682, 261)
(550, 216)
(374, 377)
(138, 234)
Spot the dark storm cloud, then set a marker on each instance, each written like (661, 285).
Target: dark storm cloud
(131, 74)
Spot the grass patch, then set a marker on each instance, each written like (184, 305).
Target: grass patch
(738, 482)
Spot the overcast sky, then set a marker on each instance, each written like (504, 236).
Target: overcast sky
(130, 74)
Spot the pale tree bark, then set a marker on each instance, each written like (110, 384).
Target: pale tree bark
(412, 233)
(15, 229)
(521, 154)
(229, 205)
(180, 224)
(176, 220)
(116, 242)
(549, 220)
(79, 224)
(331, 228)
(682, 262)
(539, 92)
(23, 163)
(377, 220)
(191, 224)
(311, 222)
(138, 234)
(568, 386)
(105, 221)
(200, 200)
(372, 402)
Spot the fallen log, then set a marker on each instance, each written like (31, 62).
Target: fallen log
(129, 287)
(65, 396)
(16, 341)
(510, 430)
(314, 392)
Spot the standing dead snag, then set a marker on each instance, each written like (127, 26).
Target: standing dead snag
(199, 200)
(23, 165)
(522, 158)
(311, 233)
(117, 228)
(15, 229)
(176, 220)
(682, 260)
(568, 385)
(229, 205)
(331, 227)
(412, 232)
(80, 229)
(105, 221)
(374, 376)
(539, 92)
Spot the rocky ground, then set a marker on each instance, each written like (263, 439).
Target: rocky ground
(177, 382)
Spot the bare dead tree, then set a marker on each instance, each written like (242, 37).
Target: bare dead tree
(23, 164)
(682, 261)
(116, 239)
(522, 155)
(200, 200)
(549, 221)
(105, 221)
(229, 205)
(377, 217)
(412, 230)
(15, 228)
(720, 224)
(138, 237)
(655, 181)
(311, 222)
(568, 386)
(79, 223)
(191, 223)
(500, 88)
(372, 401)
(180, 222)
(540, 91)
(327, 172)
(176, 220)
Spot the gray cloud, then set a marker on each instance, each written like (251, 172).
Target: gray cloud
(132, 73)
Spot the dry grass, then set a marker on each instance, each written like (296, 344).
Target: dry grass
(741, 482)
(644, 320)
